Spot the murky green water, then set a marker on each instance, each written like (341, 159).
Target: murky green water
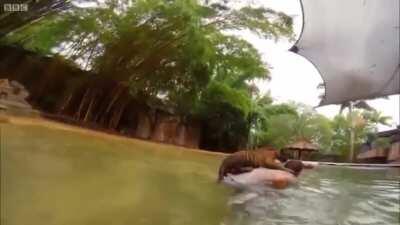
(64, 178)
(59, 177)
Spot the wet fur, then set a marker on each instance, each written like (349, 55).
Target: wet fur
(245, 161)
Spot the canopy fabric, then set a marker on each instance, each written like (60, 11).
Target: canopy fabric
(354, 44)
(302, 145)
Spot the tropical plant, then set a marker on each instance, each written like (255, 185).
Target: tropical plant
(177, 53)
(376, 118)
(362, 123)
(306, 124)
(269, 128)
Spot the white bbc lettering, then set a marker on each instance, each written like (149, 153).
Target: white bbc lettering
(15, 7)
(8, 7)
(23, 7)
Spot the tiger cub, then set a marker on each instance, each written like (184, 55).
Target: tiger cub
(246, 160)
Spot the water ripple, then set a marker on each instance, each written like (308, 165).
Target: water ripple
(325, 196)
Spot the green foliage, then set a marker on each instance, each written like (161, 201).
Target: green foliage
(284, 124)
(279, 131)
(341, 137)
(322, 132)
(225, 111)
(263, 118)
(375, 117)
(220, 94)
(169, 48)
(176, 53)
(237, 62)
(47, 34)
(363, 122)
(288, 124)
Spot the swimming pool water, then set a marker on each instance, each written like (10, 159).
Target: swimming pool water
(58, 177)
(325, 196)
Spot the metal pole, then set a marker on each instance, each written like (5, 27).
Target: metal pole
(352, 134)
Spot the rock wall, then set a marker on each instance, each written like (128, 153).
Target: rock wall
(13, 94)
(143, 129)
(165, 129)
(373, 153)
(394, 153)
(13, 99)
(189, 135)
(170, 129)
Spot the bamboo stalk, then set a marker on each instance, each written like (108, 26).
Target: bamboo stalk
(81, 106)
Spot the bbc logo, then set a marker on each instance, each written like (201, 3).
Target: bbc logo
(15, 7)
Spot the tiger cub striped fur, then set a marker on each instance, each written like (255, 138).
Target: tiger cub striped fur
(246, 160)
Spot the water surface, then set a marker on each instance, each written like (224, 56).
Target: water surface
(57, 177)
(325, 196)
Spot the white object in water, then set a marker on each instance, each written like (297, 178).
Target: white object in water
(310, 164)
(258, 177)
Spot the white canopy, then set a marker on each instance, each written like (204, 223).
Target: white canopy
(355, 46)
